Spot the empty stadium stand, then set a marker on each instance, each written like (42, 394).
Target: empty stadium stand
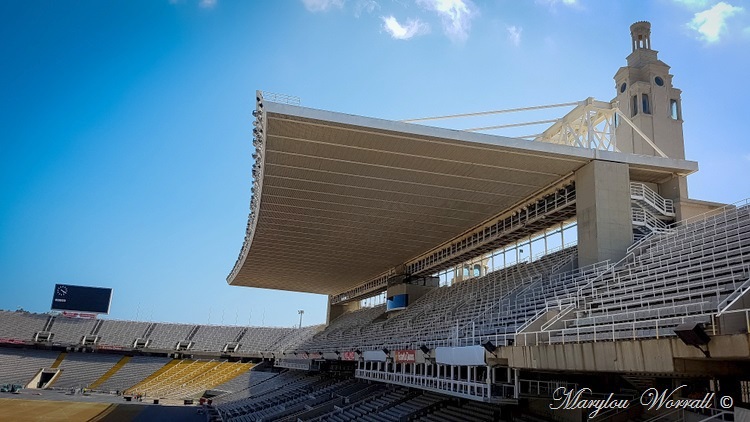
(20, 325)
(56, 329)
(666, 280)
(134, 371)
(481, 305)
(79, 370)
(19, 366)
(121, 333)
(184, 379)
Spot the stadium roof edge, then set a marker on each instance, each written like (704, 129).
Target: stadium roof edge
(340, 198)
(682, 167)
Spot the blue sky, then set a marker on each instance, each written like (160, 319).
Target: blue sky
(125, 153)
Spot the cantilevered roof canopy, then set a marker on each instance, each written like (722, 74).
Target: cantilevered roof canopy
(339, 199)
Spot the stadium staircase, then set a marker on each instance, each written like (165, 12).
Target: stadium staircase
(48, 325)
(239, 337)
(110, 372)
(55, 368)
(149, 330)
(651, 213)
(97, 327)
(59, 360)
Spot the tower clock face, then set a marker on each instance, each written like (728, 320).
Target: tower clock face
(62, 290)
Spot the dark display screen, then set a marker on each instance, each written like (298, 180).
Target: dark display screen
(83, 299)
(397, 302)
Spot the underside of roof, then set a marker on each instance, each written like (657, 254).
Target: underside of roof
(339, 199)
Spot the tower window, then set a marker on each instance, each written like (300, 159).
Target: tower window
(623, 86)
(674, 111)
(634, 106)
(659, 81)
(646, 105)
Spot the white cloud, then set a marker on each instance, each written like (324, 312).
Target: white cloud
(455, 14)
(412, 28)
(322, 5)
(514, 35)
(711, 23)
(207, 4)
(368, 6)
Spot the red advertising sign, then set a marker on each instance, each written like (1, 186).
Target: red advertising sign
(347, 356)
(110, 347)
(405, 356)
(79, 315)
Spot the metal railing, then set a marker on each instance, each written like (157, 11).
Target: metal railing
(473, 390)
(281, 98)
(643, 217)
(719, 415)
(730, 300)
(544, 388)
(641, 192)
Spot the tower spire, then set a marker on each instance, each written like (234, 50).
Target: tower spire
(640, 32)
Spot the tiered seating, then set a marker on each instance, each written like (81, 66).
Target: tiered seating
(214, 337)
(21, 325)
(121, 333)
(409, 407)
(258, 381)
(189, 378)
(296, 338)
(166, 336)
(71, 330)
(339, 332)
(79, 370)
(287, 406)
(241, 383)
(526, 303)
(433, 319)
(262, 339)
(673, 279)
(19, 366)
(267, 397)
(473, 411)
(372, 408)
(137, 369)
(302, 396)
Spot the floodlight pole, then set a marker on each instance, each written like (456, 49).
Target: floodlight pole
(300, 312)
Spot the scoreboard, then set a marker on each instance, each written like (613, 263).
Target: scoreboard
(68, 297)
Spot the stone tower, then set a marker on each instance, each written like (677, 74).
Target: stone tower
(646, 96)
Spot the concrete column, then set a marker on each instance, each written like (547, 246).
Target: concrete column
(605, 228)
(413, 291)
(335, 311)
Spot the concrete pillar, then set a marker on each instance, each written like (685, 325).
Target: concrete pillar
(335, 311)
(412, 291)
(605, 228)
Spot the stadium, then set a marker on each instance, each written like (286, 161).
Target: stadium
(484, 278)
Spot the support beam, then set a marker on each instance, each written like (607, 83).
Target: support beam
(603, 212)
(336, 310)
